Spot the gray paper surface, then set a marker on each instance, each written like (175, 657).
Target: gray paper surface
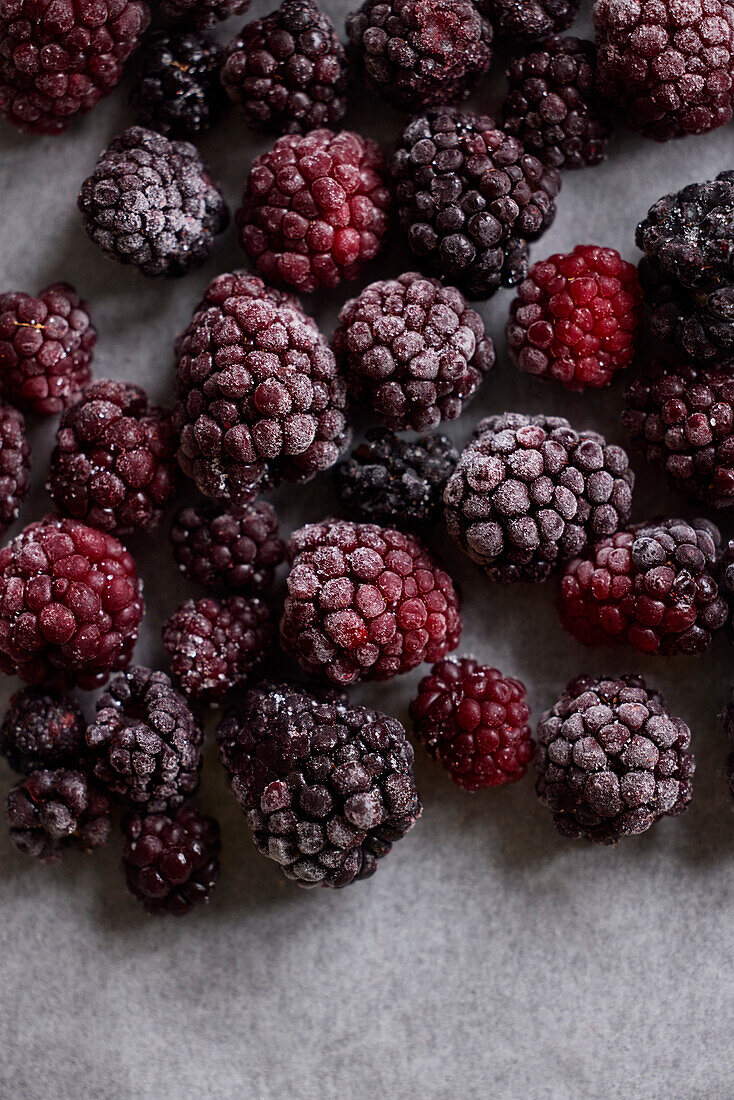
(488, 957)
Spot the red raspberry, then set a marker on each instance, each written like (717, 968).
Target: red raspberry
(576, 317)
(70, 603)
(474, 721)
(315, 209)
(365, 602)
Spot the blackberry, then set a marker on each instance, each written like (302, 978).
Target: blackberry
(530, 491)
(315, 209)
(260, 397)
(326, 787)
(42, 730)
(217, 645)
(668, 67)
(365, 602)
(204, 13)
(396, 482)
(419, 53)
(288, 72)
(412, 351)
(70, 603)
(52, 811)
(238, 550)
(171, 861)
(553, 107)
(468, 199)
(46, 348)
(473, 720)
(652, 587)
(698, 325)
(150, 203)
(612, 760)
(178, 91)
(525, 20)
(576, 318)
(114, 464)
(58, 58)
(14, 465)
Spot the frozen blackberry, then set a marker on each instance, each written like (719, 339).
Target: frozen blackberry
(552, 106)
(576, 318)
(204, 13)
(468, 199)
(42, 729)
(46, 348)
(397, 482)
(217, 645)
(413, 352)
(474, 721)
(14, 465)
(178, 92)
(150, 203)
(418, 53)
(260, 397)
(171, 861)
(114, 464)
(288, 72)
(70, 603)
(668, 67)
(652, 587)
(525, 20)
(698, 325)
(51, 811)
(145, 742)
(682, 420)
(237, 550)
(58, 58)
(326, 787)
(315, 209)
(365, 602)
(530, 491)
(612, 760)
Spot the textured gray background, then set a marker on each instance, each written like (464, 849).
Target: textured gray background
(488, 957)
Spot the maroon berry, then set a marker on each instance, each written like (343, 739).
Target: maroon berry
(171, 861)
(70, 603)
(525, 20)
(42, 730)
(237, 550)
(114, 464)
(14, 465)
(51, 811)
(474, 722)
(365, 602)
(46, 348)
(315, 209)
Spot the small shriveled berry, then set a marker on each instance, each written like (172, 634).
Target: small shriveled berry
(50, 812)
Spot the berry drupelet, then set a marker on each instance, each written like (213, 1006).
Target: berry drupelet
(526, 20)
(576, 318)
(42, 730)
(468, 199)
(114, 464)
(682, 420)
(652, 587)
(315, 209)
(696, 325)
(474, 721)
(178, 92)
(419, 53)
(396, 482)
(14, 465)
(217, 645)
(204, 13)
(46, 348)
(668, 67)
(365, 603)
(288, 72)
(70, 603)
(171, 861)
(145, 743)
(50, 812)
(413, 352)
(151, 203)
(327, 788)
(260, 398)
(530, 491)
(237, 550)
(553, 107)
(58, 58)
